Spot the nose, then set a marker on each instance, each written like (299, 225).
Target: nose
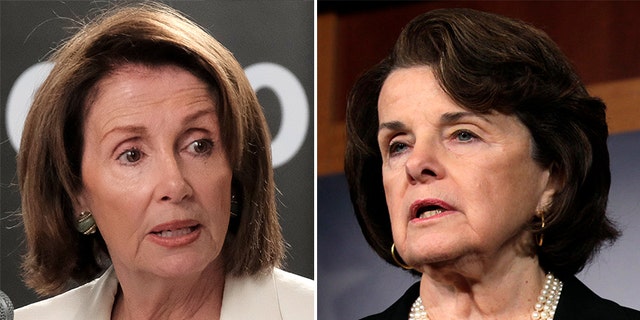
(423, 164)
(172, 186)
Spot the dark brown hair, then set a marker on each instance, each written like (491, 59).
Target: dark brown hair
(49, 159)
(486, 62)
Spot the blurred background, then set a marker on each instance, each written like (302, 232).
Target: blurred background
(601, 38)
(272, 40)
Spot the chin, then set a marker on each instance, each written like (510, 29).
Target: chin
(435, 252)
(431, 258)
(183, 265)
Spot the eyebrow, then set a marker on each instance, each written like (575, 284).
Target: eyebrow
(141, 130)
(392, 125)
(445, 119)
(453, 117)
(198, 114)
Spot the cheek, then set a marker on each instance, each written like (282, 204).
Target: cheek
(118, 212)
(114, 196)
(524, 180)
(215, 193)
(117, 204)
(393, 196)
(217, 199)
(507, 195)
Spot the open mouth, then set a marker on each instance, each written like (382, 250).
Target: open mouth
(429, 211)
(174, 233)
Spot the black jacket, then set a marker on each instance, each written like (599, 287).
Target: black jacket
(576, 302)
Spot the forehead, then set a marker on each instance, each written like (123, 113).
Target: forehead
(410, 79)
(133, 82)
(414, 95)
(135, 95)
(172, 75)
(413, 87)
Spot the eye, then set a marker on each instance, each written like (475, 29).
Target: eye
(200, 147)
(397, 148)
(130, 156)
(464, 136)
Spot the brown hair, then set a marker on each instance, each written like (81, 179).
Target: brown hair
(485, 63)
(49, 159)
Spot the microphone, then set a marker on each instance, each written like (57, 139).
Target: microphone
(6, 307)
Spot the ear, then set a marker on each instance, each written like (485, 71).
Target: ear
(80, 204)
(552, 185)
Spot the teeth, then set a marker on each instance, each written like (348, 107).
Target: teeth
(175, 233)
(430, 213)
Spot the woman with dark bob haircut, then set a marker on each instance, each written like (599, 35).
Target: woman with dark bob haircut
(477, 160)
(145, 161)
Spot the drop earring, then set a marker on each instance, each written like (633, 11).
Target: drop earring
(540, 235)
(398, 259)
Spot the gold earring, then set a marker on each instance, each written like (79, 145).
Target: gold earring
(86, 224)
(397, 259)
(540, 236)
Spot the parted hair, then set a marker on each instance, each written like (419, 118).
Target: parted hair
(490, 63)
(49, 159)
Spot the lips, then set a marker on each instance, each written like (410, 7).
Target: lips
(176, 226)
(427, 208)
(176, 233)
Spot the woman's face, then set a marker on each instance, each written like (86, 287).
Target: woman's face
(155, 172)
(458, 184)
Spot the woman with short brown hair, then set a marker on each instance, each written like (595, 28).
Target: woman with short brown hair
(477, 159)
(146, 149)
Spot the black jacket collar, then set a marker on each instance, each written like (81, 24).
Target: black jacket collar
(576, 302)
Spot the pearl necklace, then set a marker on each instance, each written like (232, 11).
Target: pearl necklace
(544, 309)
(417, 311)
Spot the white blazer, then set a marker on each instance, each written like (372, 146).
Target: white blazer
(278, 295)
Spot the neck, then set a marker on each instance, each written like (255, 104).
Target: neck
(503, 287)
(197, 296)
